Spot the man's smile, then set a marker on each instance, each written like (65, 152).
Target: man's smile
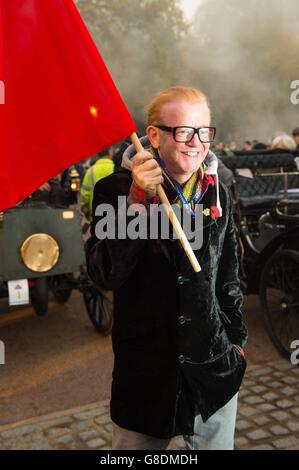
(192, 153)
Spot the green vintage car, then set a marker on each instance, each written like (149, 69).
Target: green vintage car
(41, 245)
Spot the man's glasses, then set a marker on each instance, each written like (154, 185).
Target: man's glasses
(185, 134)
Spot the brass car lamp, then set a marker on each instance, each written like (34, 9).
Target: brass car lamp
(40, 252)
(74, 181)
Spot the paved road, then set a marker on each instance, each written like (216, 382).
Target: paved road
(59, 362)
(53, 362)
(267, 418)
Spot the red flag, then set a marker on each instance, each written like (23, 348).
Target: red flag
(61, 104)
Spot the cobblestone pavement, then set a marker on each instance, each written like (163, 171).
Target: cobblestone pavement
(268, 418)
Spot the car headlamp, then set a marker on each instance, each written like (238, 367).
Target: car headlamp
(40, 252)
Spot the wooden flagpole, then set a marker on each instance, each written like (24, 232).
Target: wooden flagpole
(171, 215)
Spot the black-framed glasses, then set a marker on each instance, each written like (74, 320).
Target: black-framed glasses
(185, 134)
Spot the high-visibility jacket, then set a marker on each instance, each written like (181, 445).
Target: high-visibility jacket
(102, 168)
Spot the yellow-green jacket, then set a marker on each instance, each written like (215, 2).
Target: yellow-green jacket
(102, 168)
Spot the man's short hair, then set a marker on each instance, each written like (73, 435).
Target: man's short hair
(175, 93)
(295, 131)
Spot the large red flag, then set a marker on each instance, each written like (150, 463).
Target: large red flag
(61, 104)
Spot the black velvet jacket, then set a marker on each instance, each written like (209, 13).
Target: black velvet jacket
(173, 328)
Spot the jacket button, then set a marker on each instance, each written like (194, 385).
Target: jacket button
(182, 320)
(181, 359)
(180, 280)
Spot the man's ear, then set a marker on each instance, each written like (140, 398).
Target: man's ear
(153, 135)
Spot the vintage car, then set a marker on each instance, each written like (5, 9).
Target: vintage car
(266, 197)
(42, 252)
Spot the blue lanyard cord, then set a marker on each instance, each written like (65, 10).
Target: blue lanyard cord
(177, 188)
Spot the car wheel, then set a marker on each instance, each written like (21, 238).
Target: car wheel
(61, 288)
(39, 296)
(279, 297)
(99, 306)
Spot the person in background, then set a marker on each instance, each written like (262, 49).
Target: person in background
(219, 147)
(284, 142)
(103, 167)
(274, 135)
(119, 151)
(295, 134)
(247, 146)
(51, 192)
(259, 146)
(232, 146)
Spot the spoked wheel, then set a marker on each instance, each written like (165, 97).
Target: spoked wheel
(279, 296)
(99, 306)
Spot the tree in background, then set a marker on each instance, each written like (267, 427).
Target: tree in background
(140, 41)
(247, 57)
(244, 55)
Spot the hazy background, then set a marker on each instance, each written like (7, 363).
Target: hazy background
(243, 55)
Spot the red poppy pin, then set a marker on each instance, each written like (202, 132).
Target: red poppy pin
(214, 212)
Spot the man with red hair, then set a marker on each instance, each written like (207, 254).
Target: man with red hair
(177, 335)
